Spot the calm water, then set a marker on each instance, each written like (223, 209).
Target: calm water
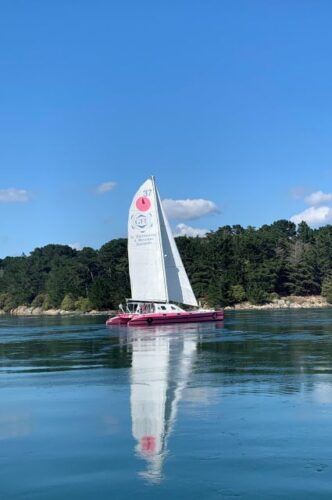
(236, 410)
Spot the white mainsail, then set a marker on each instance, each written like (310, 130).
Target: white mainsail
(155, 266)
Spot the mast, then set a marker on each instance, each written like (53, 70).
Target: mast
(159, 236)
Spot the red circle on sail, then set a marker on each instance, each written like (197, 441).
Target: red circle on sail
(143, 203)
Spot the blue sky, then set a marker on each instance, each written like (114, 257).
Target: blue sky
(229, 102)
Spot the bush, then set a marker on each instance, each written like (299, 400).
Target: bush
(38, 301)
(329, 298)
(3, 299)
(47, 302)
(42, 300)
(68, 303)
(83, 304)
(238, 293)
(8, 302)
(257, 296)
(327, 289)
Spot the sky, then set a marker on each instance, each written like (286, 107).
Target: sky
(228, 104)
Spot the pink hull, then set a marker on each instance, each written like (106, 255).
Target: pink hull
(165, 319)
(120, 319)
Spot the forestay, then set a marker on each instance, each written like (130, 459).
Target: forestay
(155, 266)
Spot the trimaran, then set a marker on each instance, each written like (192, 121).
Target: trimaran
(158, 279)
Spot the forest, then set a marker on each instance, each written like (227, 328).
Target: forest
(228, 266)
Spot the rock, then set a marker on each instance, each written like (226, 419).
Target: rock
(37, 311)
(52, 312)
(22, 311)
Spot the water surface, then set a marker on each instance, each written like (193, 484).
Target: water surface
(240, 409)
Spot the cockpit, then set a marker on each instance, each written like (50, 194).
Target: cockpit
(136, 307)
(140, 307)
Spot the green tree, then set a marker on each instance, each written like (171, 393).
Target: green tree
(100, 294)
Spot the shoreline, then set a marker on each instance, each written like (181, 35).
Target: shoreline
(38, 311)
(290, 302)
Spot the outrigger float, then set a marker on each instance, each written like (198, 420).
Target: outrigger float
(158, 279)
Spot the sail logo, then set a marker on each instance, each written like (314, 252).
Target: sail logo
(143, 203)
(142, 222)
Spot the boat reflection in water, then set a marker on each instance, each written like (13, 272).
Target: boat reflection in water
(162, 360)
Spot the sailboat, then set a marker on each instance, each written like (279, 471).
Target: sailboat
(158, 279)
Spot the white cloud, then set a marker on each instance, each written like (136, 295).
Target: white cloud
(75, 246)
(189, 209)
(184, 230)
(13, 195)
(315, 216)
(318, 197)
(105, 187)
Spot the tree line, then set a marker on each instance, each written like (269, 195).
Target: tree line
(229, 265)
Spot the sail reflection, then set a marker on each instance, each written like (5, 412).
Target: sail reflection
(162, 360)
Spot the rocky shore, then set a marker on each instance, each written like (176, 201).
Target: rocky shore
(291, 302)
(38, 311)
